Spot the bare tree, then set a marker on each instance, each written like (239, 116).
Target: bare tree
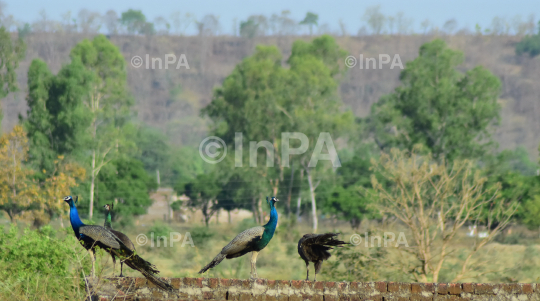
(89, 21)
(434, 200)
(208, 25)
(403, 24)
(283, 24)
(450, 26)
(375, 19)
(180, 23)
(162, 26)
(111, 21)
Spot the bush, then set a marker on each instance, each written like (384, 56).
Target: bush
(530, 45)
(200, 235)
(159, 230)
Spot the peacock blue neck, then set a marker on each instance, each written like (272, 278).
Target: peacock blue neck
(74, 218)
(270, 227)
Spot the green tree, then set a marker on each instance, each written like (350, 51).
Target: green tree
(125, 182)
(529, 44)
(135, 22)
(310, 20)
(11, 53)
(107, 102)
(436, 105)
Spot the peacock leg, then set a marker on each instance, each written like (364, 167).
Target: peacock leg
(307, 268)
(121, 268)
(254, 264)
(318, 265)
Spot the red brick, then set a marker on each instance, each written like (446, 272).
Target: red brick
(330, 284)
(176, 282)
(399, 287)
(213, 282)
(467, 287)
(418, 288)
(246, 284)
(319, 286)
(208, 295)
(511, 288)
(442, 288)
(261, 281)
(271, 283)
(317, 298)
(140, 282)
(330, 297)
(484, 288)
(297, 283)
(342, 286)
(420, 298)
(374, 298)
(354, 286)
(271, 298)
(381, 286)
(157, 294)
(225, 282)
(296, 298)
(454, 288)
(284, 283)
(245, 297)
(527, 288)
(197, 282)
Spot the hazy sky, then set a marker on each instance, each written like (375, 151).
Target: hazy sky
(466, 12)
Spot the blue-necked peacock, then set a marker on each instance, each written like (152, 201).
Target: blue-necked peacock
(251, 240)
(120, 235)
(92, 236)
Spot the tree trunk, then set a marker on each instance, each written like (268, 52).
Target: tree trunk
(299, 195)
(229, 213)
(289, 196)
(313, 204)
(92, 185)
(254, 210)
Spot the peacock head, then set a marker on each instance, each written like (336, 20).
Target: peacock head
(108, 207)
(272, 201)
(70, 200)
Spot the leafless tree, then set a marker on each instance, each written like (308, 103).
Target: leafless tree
(375, 19)
(208, 25)
(89, 21)
(110, 19)
(180, 22)
(434, 200)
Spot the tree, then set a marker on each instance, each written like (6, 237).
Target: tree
(529, 44)
(107, 101)
(134, 21)
(310, 20)
(434, 200)
(111, 22)
(447, 111)
(202, 193)
(125, 182)
(56, 118)
(375, 19)
(17, 189)
(10, 55)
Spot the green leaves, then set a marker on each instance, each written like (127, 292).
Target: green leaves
(439, 107)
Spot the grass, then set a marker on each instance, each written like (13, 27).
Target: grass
(511, 258)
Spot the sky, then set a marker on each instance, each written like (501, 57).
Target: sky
(467, 12)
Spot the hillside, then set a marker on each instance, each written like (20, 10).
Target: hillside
(170, 99)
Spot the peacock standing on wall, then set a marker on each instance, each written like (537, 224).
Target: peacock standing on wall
(251, 240)
(314, 248)
(125, 240)
(92, 236)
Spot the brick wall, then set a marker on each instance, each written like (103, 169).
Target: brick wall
(261, 289)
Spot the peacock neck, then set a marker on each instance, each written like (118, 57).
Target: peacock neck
(74, 219)
(270, 227)
(108, 220)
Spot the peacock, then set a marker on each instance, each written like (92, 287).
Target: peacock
(314, 248)
(251, 240)
(92, 236)
(118, 234)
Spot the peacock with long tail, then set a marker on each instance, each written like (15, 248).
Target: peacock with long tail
(251, 240)
(120, 235)
(314, 248)
(92, 236)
